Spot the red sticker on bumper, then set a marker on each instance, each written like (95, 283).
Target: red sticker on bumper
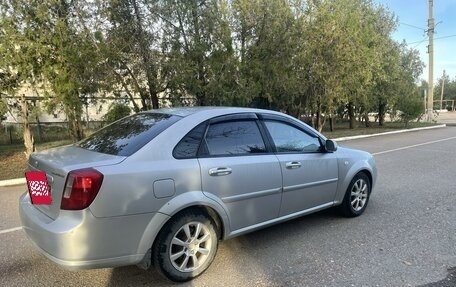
(38, 187)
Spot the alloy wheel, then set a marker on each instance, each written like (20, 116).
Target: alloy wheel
(359, 194)
(190, 246)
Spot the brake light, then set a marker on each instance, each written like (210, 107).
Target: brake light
(81, 188)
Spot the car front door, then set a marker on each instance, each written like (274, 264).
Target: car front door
(310, 174)
(237, 168)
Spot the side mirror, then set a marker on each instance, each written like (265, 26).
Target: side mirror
(330, 146)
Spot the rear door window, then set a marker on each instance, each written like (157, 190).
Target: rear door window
(234, 138)
(126, 136)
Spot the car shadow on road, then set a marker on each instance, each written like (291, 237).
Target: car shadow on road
(134, 276)
(449, 281)
(241, 258)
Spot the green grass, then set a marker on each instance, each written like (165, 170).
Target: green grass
(13, 163)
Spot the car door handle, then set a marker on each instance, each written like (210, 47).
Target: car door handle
(293, 164)
(217, 171)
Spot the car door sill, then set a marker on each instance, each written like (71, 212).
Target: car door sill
(277, 220)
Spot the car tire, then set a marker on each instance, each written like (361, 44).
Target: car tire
(186, 246)
(357, 196)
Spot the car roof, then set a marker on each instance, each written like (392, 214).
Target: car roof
(187, 111)
(200, 113)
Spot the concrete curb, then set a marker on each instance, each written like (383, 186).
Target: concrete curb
(10, 182)
(17, 181)
(388, 133)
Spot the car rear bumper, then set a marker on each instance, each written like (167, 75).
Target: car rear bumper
(79, 240)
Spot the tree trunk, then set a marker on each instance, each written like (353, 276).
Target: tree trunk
(322, 123)
(29, 142)
(318, 120)
(74, 124)
(366, 120)
(312, 119)
(127, 90)
(331, 123)
(200, 93)
(10, 132)
(381, 113)
(38, 126)
(351, 115)
(146, 59)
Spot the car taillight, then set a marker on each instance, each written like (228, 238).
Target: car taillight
(81, 188)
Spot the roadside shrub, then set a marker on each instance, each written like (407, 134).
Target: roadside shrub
(116, 111)
(411, 107)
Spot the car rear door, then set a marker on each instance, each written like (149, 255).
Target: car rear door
(237, 167)
(310, 174)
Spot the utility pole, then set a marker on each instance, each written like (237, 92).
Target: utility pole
(441, 93)
(425, 104)
(430, 31)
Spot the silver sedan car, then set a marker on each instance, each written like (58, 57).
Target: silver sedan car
(163, 187)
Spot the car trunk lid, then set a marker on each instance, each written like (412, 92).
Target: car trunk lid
(58, 162)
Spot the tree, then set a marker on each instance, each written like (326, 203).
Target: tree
(311, 58)
(71, 67)
(385, 63)
(449, 88)
(411, 107)
(386, 80)
(340, 56)
(199, 60)
(408, 100)
(267, 33)
(130, 43)
(46, 53)
(23, 54)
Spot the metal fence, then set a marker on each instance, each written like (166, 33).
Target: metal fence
(12, 133)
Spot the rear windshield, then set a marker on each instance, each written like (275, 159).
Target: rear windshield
(128, 135)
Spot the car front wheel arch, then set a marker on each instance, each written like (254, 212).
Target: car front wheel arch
(357, 195)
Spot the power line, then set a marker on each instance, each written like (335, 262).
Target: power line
(438, 38)
(413, 26)
(419, 43)
(444, 37)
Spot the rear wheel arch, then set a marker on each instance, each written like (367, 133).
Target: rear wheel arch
(164, 245)
(205, 210)
(195, 209)
(198, 201)
(195, 200)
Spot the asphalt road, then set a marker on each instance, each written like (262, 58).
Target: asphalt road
(406, 237)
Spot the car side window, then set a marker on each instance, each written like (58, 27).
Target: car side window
(234, 138)
(288, 138)
(188, 146)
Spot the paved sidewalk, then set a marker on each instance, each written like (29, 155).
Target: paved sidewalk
(448, 118)
(389, 133)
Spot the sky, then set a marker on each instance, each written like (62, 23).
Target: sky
(413, 15)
